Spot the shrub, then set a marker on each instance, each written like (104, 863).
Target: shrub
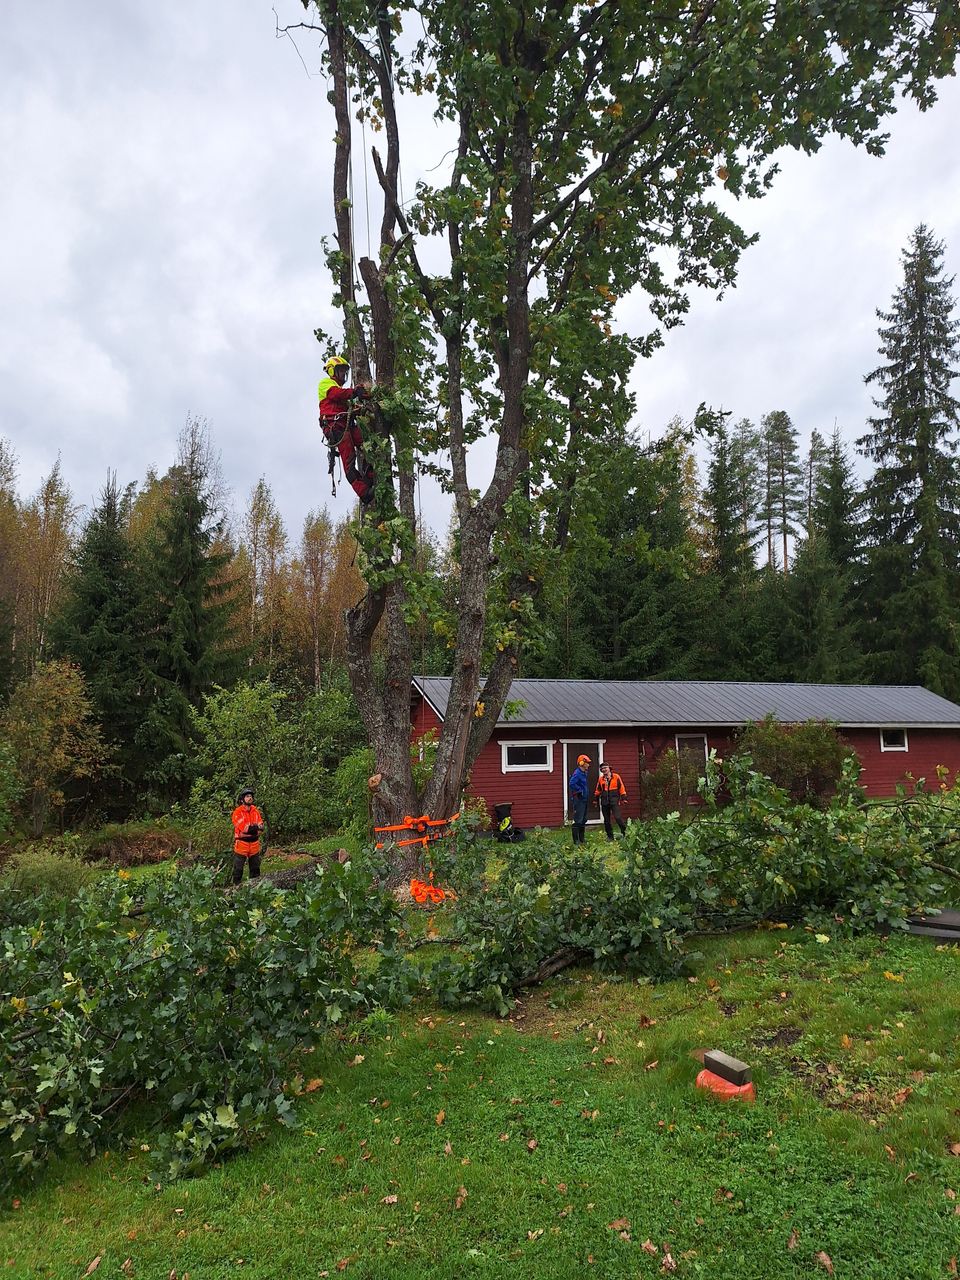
(805, 759)
(134, 843)
(665, 787)
(257, 735)
(46, 868)
(352, 795)
(10, 787)
(53, 736)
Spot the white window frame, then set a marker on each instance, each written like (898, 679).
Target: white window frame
(706, 745)
(676, 747)
(891, 728)
(506, 767)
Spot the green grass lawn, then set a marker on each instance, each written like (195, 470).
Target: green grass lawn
(571, 1141)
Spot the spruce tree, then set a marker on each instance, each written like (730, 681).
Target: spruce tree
(836, 506)
(190, 646)
(100, 627)
(732, 544)
(817, 456)
(783, 486)
(658, 598)
(818, 639)
(628, 602)
(745, 460)
(911, 586)
(729, 584)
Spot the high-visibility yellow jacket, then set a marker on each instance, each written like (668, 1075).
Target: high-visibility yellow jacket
(334, 399)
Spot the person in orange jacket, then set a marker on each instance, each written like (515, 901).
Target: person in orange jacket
(248, 825)
(610, 791)
(340, 428)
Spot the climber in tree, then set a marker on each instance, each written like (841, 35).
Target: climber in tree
(338, 421)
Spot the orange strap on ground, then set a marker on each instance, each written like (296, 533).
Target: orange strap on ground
(421, 891)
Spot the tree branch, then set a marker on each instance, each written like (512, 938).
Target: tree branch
(341, 201)
(426, 288)
(631, 136)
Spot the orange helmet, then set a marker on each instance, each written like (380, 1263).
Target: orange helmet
(583, 759)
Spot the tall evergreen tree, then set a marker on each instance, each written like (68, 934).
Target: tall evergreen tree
(745, 467)
(656, 593)
(732, 548)
(911, 584)
(190, 647)
(836, 505)
(730, 585)
(818, 636)
(783, 486)
(812, 473)
(817, 639)
(627, 603)
(100, 627)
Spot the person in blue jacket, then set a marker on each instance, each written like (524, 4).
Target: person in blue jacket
(579, 799)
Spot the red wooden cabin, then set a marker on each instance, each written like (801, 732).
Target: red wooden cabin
(899, 732)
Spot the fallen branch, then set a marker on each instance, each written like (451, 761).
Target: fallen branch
(416, 943)
(561, 959)
(289, 876)
(285, 878)
(944, 870)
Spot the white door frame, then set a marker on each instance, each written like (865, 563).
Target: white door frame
(566, 742)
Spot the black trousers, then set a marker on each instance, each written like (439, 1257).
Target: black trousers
(241, 860)
(611, 808)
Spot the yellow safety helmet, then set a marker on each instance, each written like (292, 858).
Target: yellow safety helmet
(335, 362)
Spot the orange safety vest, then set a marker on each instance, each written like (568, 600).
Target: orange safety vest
(615, 785)
(242, 817)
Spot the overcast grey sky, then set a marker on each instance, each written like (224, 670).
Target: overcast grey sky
(165, 186)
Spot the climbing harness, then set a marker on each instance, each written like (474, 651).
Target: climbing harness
(343, 437)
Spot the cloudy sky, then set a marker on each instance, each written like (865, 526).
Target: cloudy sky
(164, 193)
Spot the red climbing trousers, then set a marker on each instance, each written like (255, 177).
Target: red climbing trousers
(342, 432)
(344, 436)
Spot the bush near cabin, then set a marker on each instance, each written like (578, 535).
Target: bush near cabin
(807, 759)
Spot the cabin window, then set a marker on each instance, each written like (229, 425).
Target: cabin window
(526, 757)
(893, 740)
(692, 750)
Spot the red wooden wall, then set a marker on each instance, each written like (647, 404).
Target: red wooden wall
(538, 797)
(926, 748)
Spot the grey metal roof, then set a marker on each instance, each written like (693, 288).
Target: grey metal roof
(703, 703)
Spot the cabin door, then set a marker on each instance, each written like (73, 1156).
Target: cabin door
(594, 749)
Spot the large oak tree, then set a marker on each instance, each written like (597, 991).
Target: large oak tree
(593, 148)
